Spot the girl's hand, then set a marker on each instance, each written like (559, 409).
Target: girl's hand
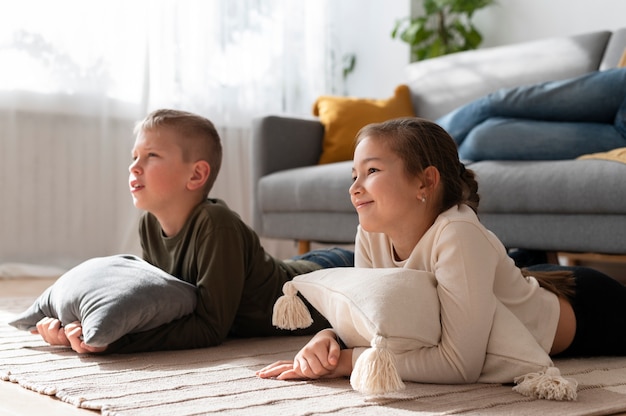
(73, 333)
(320, 357)
(51, 331)
(282, 370)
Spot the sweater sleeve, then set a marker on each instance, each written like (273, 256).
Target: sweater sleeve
(464, 263)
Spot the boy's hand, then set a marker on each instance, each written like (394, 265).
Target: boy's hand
(320, 357)
(73, 332)
(52, 332)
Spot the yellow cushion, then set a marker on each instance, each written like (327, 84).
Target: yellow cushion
(622, 61)
(343, 117)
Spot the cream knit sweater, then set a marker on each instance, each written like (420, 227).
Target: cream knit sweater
(473, 273)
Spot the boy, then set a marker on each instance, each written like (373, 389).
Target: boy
(176, 159)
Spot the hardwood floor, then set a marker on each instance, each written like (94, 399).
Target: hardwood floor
(14, 399)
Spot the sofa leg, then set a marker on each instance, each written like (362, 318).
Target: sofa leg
(304, 246)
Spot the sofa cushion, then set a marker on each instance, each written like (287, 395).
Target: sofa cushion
(560, 187)
(441, 84)
(310, 203)
(314, 188)
(504, 186)
(343, 117)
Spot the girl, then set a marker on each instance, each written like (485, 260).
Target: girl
(417, 207)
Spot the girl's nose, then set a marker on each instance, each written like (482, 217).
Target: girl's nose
(355, 188)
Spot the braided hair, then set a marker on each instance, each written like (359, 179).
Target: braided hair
(421, 143)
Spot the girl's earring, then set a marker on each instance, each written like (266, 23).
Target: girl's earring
(423, 198)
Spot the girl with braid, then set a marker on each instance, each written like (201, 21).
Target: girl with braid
(417, 207)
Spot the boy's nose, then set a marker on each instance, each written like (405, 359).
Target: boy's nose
(134, 166)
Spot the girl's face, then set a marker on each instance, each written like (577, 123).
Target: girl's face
(386, 199)
(158, 175)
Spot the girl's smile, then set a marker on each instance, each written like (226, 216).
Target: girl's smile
(387, 199)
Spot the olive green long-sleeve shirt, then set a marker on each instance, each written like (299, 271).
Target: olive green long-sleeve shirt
(237, 281)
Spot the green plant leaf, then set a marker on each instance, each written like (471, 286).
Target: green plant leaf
(473, 38)
(445, 27)
(469, 6)
(432, 7)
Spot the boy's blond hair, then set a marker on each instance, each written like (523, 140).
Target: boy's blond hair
(199, 139)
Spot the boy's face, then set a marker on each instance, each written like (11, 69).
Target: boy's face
(158, 175)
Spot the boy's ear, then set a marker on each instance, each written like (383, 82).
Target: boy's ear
(200, 174)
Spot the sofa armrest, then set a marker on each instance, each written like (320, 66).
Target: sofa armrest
(285, 142)
(280, 143)
(614, 50)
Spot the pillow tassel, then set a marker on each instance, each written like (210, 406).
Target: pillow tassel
(375, 371)
(290, 312)
(547, 384)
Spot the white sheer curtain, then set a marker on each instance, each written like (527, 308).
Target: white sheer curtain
(233, 60)
(76, 75)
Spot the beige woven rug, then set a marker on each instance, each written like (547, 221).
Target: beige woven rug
(221, 381)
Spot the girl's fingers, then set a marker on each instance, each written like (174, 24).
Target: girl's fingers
(275, 369)
(290, 375)
(310, 367)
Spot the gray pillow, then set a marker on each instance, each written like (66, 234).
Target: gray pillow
(112, 296)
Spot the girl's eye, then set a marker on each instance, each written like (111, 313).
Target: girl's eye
(353, 178)
(372, 170)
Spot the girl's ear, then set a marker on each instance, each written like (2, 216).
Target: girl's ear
(200, 174)
(431, 178)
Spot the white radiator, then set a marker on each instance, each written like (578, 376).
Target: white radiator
(63, 187)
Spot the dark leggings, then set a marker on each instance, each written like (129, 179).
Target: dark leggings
(600, 308)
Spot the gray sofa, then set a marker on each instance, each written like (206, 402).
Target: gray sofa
(567, 205)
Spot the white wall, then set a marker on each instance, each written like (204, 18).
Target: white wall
(364, 27)
(512, 21)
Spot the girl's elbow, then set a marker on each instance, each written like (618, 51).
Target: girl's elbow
(467, 375)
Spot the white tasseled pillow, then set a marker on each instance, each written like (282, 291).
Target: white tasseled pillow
(397, 310)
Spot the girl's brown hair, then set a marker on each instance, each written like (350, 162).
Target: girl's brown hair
(421, 143)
